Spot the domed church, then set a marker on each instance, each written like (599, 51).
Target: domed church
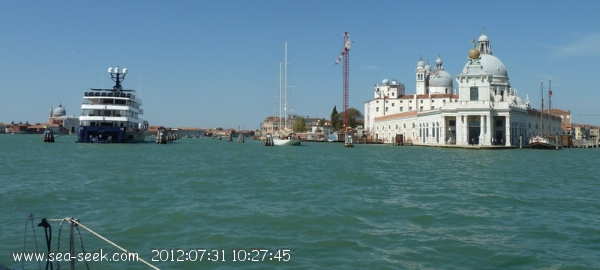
(485, 111)
(60, 122)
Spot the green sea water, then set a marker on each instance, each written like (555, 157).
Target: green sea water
(367, 207)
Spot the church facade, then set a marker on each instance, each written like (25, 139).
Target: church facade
(484, 111)
(60, 122)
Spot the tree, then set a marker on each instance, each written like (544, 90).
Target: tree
(354, 117)
(299, 124)
(335, 118)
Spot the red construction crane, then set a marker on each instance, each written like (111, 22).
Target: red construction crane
(346, 55)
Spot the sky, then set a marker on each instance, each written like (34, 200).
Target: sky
(215, 63)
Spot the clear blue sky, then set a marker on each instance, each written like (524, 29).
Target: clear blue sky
(216, 63)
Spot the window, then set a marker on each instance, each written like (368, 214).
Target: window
(421, 101)
(392, 104)
(376, 109)
(386, 109)
(474, 93)
(433, 100)
(452, 123)
(498, 123)
(387, 101)
(410, 101)
(377, 101)
(432, 107)
(400, 101)
(410, 108)
(393, 94)
(421, 109)
(400, 109)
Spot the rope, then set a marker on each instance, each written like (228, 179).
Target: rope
(81, 242)
(99, 236)
(58, 245)
(29, 217)
(115, 245)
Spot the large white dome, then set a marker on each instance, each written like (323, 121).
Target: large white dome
(59, 111)
(491, 65)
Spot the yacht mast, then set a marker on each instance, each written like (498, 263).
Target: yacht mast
(279, 104)
(549, 108)
(285, 63)
(542, 115)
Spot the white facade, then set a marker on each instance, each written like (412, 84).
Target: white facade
(486, 111)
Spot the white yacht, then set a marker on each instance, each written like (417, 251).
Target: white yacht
(285, 136)
(112, 115)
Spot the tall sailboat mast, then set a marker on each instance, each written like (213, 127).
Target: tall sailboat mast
(549, 108)
(279, 104)
(285, 85)
(542, 115)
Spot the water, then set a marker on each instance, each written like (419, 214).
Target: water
(372, 206)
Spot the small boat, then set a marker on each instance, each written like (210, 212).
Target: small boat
(48, 132)
(545, 141)
(289, 140)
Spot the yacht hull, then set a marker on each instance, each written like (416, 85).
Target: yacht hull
(543, 143)
(291, 141)
(110, 134)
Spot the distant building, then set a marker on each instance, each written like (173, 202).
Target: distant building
(581, 132)
(485, 111)
(190, 132)
(566, 126)
(62, 122)
(273, 124)
(17, 128)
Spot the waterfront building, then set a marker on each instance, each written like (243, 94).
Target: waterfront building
(565, 116)
(486, 110)
(271, 124)
(60, 122)
(581, 132)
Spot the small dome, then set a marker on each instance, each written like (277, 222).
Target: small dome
(483, 37)
(385, 82)
(420, 64)
(59, 111)
(474, 54)
(427, 67)
(440, 78)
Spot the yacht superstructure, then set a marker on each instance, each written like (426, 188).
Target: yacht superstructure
(112, 115)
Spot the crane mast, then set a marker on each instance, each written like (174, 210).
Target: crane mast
(345, 54)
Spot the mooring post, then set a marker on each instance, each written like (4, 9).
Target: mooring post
(520, 141)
